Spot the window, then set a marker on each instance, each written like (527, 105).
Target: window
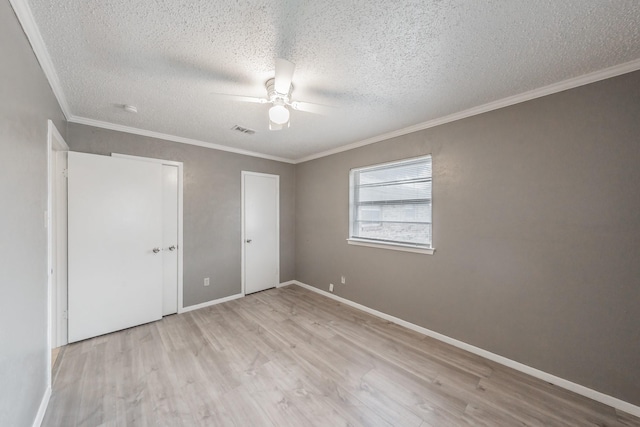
(390, 205)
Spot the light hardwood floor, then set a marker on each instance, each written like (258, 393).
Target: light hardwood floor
(290, 357)
(54, 356)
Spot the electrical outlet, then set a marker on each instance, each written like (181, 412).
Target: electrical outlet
(330, 287)
(206, 281)
(343, 280)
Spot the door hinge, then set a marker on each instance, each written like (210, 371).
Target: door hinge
(65, 173)
(65, 315)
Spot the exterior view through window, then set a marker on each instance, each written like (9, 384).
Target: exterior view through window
(391, 203)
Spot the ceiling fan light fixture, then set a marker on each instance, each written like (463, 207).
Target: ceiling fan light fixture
(276, 126)
(279, 114)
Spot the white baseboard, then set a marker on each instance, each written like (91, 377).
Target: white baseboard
(290, 282)
(560, 382)
(229, 298)
(210, 303)
(43, 407)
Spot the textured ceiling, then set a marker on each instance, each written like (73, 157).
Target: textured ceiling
(381, 65)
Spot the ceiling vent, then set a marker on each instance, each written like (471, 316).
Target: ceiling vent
(243, 130)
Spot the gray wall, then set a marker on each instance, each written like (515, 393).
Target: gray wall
(536, 229)
(27, 103)
(212, 223)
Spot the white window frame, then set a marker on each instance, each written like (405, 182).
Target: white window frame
(407, 247)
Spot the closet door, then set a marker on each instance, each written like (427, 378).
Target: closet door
(260, 225)
(170, 239)
(115, 241)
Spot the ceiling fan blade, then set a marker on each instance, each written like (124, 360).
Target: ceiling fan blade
(284, 75)
(309, 107)
(241, 98)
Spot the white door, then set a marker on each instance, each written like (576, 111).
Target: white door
(261, 224)
(169, 239)
(115, 238)
(171, 230)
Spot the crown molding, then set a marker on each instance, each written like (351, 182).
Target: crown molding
(23, 12)
(25, 16)
(571, 83)
(173, 138)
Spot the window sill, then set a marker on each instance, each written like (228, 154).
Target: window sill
(392, 246)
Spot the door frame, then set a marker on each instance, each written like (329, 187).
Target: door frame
(242, 233)
(180, 166)
(55, 143)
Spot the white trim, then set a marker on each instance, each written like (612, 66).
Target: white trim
(229, 298)
(243, 174)
(242, 236)
(149, 159)
(60, 143)
(391, 246)
(571, 83)
(560, 382)
(25, 16)
(290, 282)
(174, 138)
(44, 403)
(49, 247)
(55, 142)
(180, 167)
(23, 12)
(60, 210)
(210, 303)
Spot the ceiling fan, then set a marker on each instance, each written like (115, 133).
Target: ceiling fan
(279, 91)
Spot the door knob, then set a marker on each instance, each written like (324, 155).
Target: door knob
(156, 250)
(248, 240)
(172, 248)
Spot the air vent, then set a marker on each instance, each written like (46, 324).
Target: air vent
(243, 130)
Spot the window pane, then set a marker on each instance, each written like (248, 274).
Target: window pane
(400, 232)
(402, 191)
(418, 212)
(369, 213)
(392, 202)
(397, 172)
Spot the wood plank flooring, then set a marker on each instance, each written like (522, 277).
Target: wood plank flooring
(290, 357)
(54, 356)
